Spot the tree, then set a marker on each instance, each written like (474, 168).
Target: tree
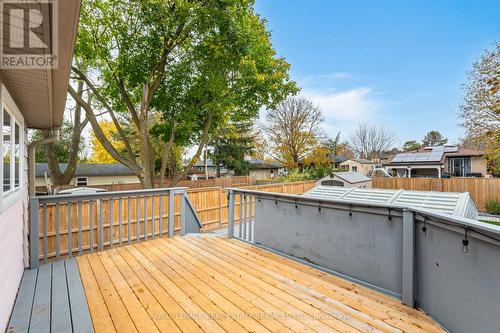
(231, 145)
(293, 130)
(67, 149)
(197, 64)
(370, 141)
(337, 147)
(480, 109)
(434, 138)
(411, 145)
(99, 154)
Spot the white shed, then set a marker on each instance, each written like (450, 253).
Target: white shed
(346, 179)
(458, 204)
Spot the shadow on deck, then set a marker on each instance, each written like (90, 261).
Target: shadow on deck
(203, 283)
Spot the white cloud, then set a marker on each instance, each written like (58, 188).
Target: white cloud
(356, 104)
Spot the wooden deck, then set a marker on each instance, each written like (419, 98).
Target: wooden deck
(51, 299)
(213, 284)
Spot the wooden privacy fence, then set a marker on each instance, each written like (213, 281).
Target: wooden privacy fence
(236, 181)
(75, 225)
(211, 204)
(480, 189)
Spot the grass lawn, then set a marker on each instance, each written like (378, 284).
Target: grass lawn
(490, 222)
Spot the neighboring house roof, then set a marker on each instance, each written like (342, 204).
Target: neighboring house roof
(337, 159)
(432, 155)
(201, 163)
(88, 170)
(458, 204)
(260, 164)
(360, 161)
(466, 152)
(352, 177)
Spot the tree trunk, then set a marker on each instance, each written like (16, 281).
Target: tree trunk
(203, 142)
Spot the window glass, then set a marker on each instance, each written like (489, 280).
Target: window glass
(17, 156)
(81, 181)
(6, 150)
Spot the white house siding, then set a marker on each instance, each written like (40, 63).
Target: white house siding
(98, 181)
(11, 258)
(260, 174)
(13, 240)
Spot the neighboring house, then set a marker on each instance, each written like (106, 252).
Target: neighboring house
(198, 170)
(30, 98)
(346, 179)
(335, 161)
(91, 174)
(436, 162)
(260, 169)
(362, 166)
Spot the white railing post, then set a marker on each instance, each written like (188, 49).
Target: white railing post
(34, 251)
(230, 215)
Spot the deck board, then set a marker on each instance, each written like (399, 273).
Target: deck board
(212, 284)
(81, 321)
(51, 299)
(61, 313)
(21, 314)
(40, 315)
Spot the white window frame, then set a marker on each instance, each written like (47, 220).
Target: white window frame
(16, 117)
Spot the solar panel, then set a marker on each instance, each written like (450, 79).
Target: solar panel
(435, 155)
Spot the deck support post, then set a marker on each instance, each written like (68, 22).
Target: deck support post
(230, 215)
(409, 262)
(171, 213)
(33, 233)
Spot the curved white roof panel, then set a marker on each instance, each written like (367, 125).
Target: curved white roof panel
(458, 204)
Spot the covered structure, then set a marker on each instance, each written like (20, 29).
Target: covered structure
(457, 204)
(346, 179)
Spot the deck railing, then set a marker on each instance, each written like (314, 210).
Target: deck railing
(68, 225)
(441, 263)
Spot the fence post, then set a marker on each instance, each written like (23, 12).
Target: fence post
(230, 215)
(183, 213)
(33, 239)
(171, 212)
(409, 280)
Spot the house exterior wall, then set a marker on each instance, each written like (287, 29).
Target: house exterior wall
(12, 258)
(13, 224)
(477, 165)
(364, 169)
(98, 181)
(260, 174)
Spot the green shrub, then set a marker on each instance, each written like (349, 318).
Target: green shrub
(493, 207)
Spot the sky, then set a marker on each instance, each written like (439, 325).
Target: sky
(400, 64)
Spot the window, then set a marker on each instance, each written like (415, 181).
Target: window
(81, 181)
(354, 168)
(459, 166)
(17, 155)
(6, 150)
(11, 142)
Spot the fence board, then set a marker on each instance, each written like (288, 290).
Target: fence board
(480, 189)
